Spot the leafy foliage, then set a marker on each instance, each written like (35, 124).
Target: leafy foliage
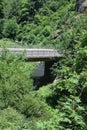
(61, 105)
(14, 80)
(11, 119)
(1, 9)
(10, 29)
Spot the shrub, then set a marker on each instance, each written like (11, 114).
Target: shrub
(10, 29)
(10, 119)
(34, 107)
(46, 31)
(14, 80)
(66, 116)
(54, 6)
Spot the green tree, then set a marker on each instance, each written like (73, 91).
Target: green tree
(15, 80)
(10, 29)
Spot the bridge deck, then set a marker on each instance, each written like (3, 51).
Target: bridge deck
(38, 54)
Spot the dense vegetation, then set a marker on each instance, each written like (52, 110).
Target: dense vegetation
(61, 105)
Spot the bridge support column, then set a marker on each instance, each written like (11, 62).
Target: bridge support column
(47, 72)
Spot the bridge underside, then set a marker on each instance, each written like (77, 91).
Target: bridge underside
(45, 59)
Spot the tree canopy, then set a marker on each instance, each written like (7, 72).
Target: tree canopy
(62, 104)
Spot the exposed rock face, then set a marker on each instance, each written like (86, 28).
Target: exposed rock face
(56, 34)
(81, 6)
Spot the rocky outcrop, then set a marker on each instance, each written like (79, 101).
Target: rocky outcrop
(81, 6)
(56, 34)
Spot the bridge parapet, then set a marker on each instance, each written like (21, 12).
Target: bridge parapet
(38, 54)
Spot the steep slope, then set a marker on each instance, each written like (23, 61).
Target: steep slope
(61, 105)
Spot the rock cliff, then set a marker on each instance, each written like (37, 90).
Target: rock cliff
(81, 6)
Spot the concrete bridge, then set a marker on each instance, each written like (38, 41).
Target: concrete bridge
(35, 54)
(49, 56)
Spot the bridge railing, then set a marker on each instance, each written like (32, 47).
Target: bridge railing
(42, 53)
(34, 53)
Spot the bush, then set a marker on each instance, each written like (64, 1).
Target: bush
(54, 6)
(46, 31)
(14, 80)
(65, 117)
(10, 29)
(34, 107)
(10, 119)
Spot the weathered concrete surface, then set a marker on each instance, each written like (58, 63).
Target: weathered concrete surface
(35, 54)
(39, 70)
